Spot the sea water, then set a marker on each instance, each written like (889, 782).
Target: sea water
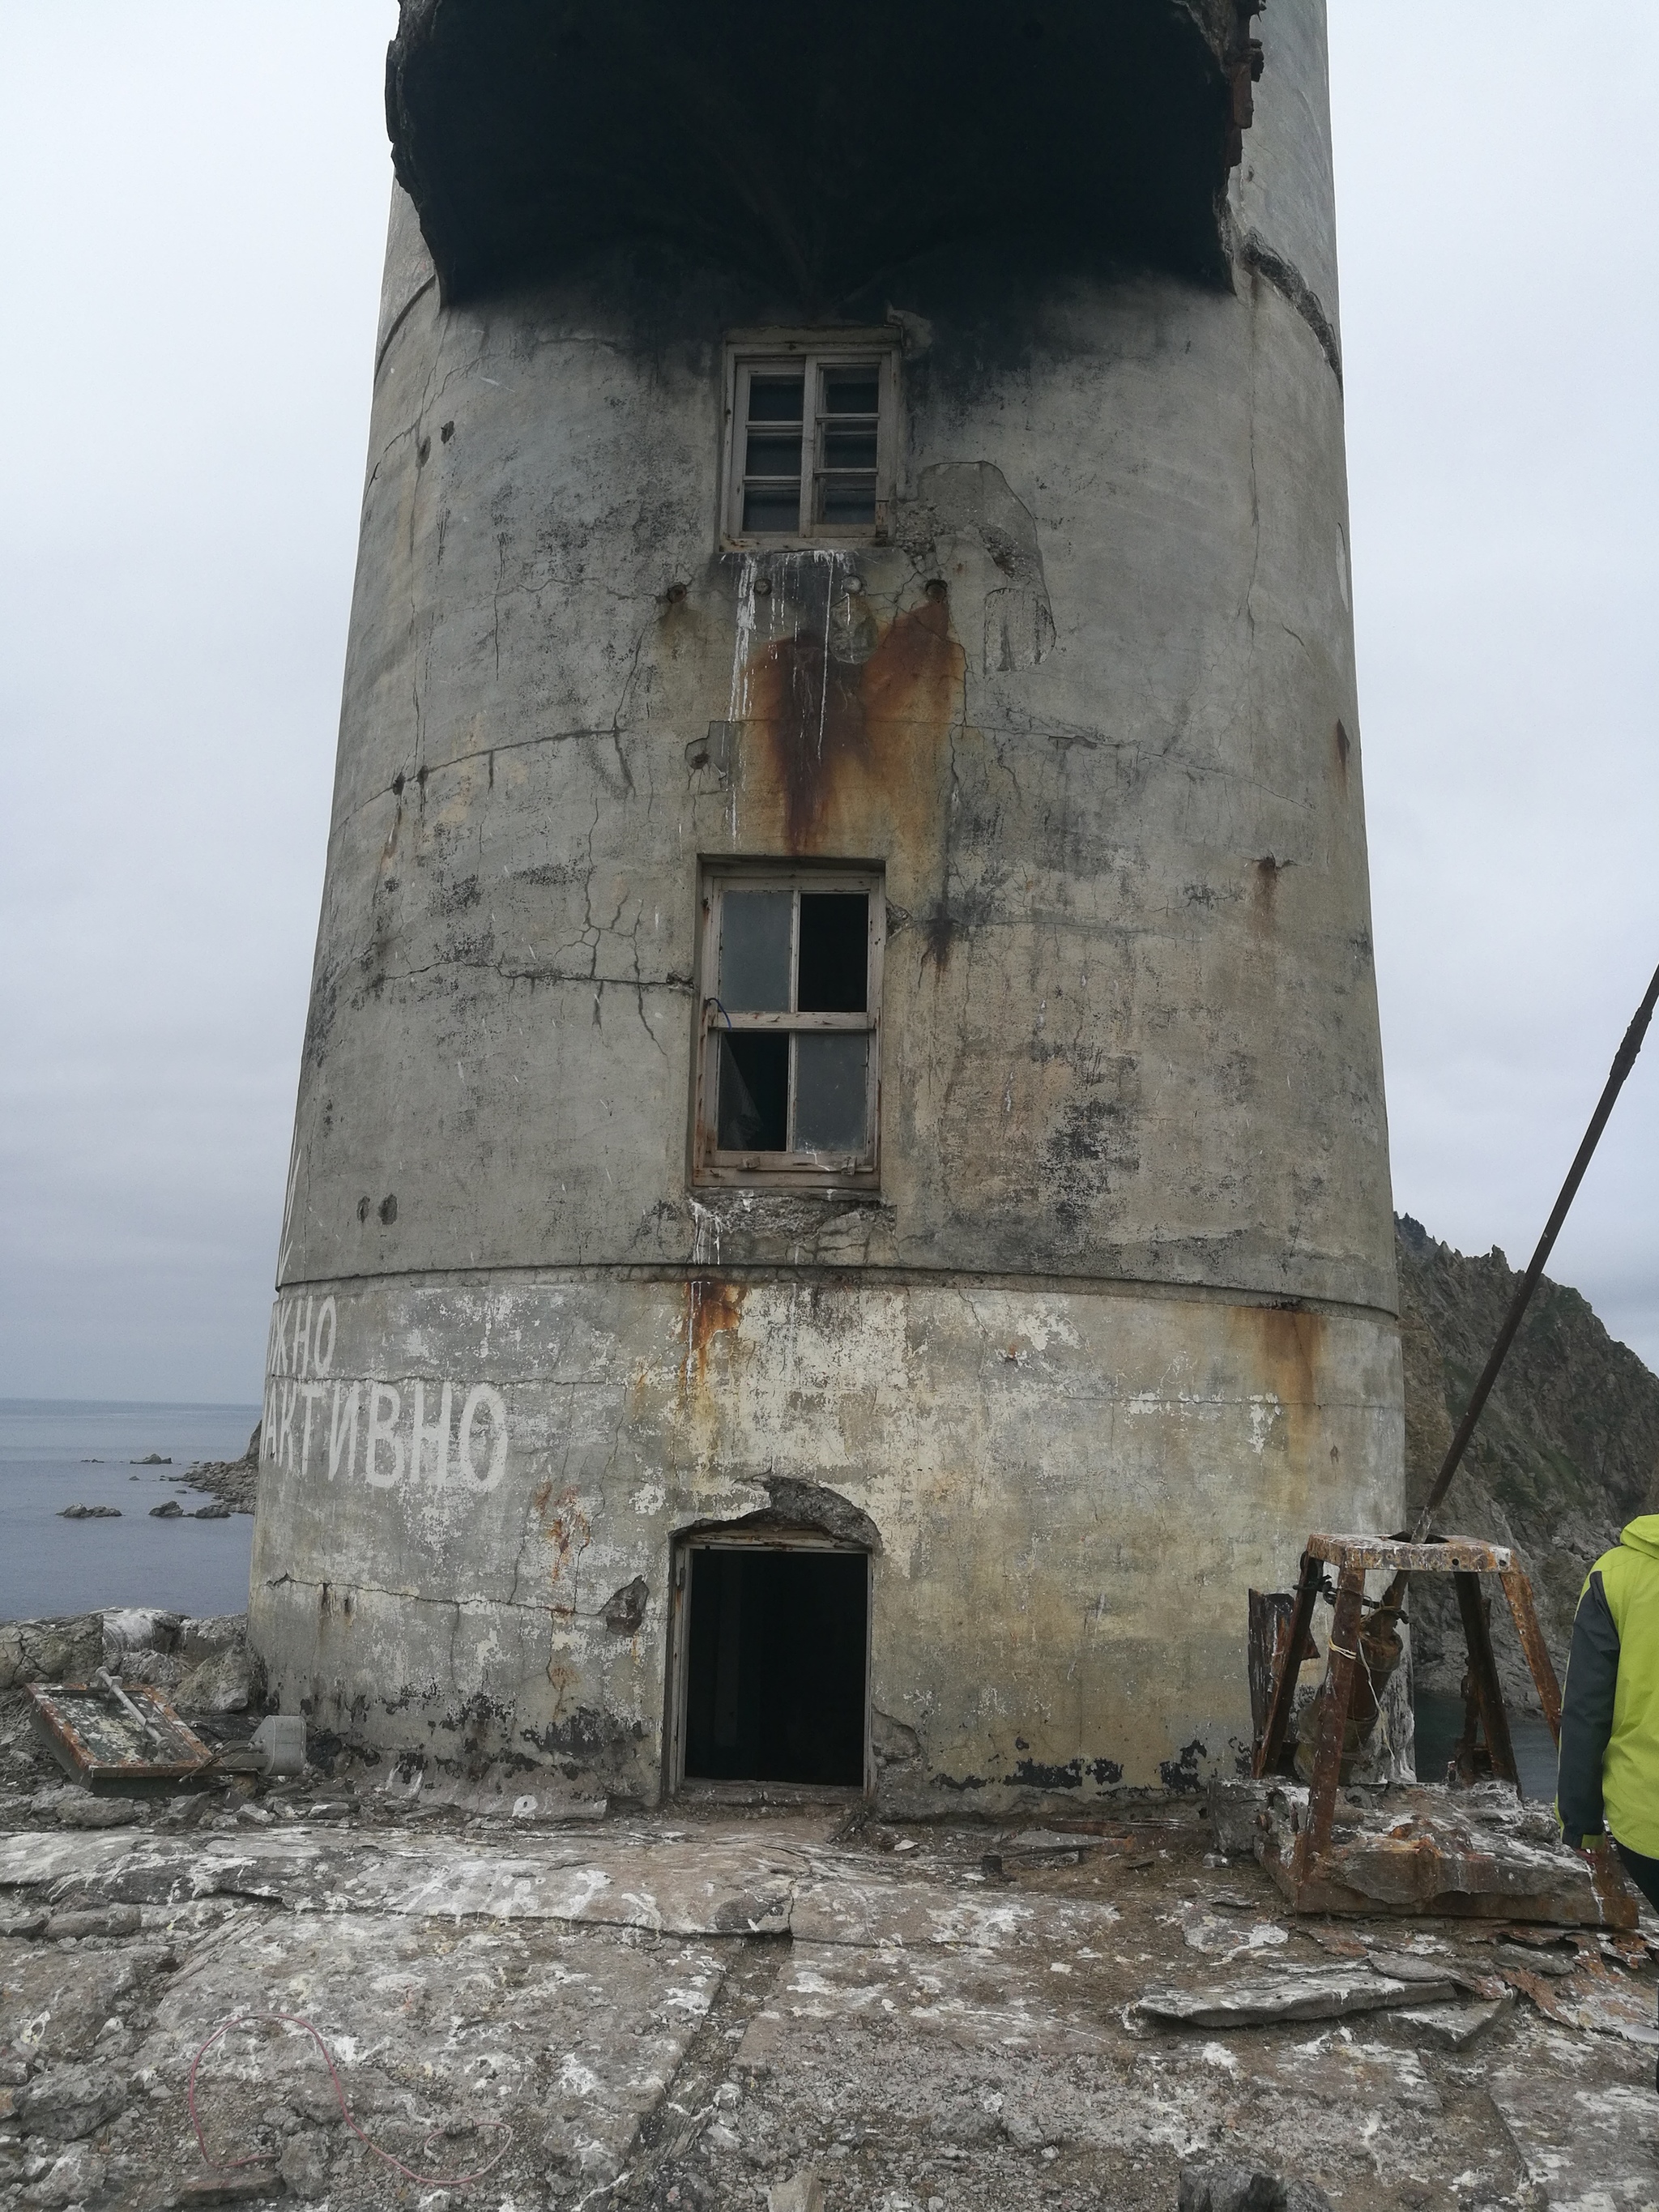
(59, 1452)
(1439, 1718)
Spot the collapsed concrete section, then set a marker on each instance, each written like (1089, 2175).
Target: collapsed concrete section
(839, 1214)
(818, 157)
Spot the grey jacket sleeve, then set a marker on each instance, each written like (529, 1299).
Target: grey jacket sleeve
(1586, 1715)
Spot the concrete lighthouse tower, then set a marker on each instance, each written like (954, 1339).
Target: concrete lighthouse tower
(839, 1216)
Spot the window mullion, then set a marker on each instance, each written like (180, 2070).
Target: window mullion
(739, 468)
(809, 449)
(794, 939)
(886, 432)
(707, 1130)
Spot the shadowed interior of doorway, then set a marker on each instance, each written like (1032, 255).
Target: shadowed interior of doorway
(776, 1664)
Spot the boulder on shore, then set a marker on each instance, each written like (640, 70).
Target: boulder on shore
(224, 1683)
(51, 1650)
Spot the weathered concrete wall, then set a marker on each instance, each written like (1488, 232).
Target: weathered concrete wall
(1094, 712)
(1072, 1490)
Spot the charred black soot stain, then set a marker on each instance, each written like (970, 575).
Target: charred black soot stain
(1033, 1775)
(588, 1734)
(1181, 1774)
(939, 933)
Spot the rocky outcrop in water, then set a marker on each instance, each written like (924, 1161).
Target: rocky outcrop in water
(234, 1482)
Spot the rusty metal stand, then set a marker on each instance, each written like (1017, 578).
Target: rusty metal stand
(1353, 1557)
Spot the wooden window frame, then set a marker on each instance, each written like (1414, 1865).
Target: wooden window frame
(713, 1168)
(811, 352)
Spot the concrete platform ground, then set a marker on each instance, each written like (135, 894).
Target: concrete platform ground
(699, 2008)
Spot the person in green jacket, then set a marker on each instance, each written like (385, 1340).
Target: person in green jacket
(1607, 1780)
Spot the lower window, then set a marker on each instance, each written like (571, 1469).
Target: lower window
(789, 1079)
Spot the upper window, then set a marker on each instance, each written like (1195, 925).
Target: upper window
(788, 1083)
(809, 441)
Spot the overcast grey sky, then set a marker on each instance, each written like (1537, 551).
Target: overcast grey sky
(195, 195)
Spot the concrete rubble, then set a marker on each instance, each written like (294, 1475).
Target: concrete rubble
(1479, 1851)
(781, 2005)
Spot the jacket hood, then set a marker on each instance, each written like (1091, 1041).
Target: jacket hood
(1641, 1534)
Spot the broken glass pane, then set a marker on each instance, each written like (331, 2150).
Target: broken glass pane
(834, 954)
(755, 952)
(829, 1091)
(753, 1115)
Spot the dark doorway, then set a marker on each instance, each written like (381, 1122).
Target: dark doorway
(776, 1644)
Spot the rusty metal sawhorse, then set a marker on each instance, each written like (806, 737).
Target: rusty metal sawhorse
(1466, 1559)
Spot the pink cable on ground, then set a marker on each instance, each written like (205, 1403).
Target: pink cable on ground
(259, 2158)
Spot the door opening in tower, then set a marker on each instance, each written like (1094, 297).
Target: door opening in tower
(774, 1651)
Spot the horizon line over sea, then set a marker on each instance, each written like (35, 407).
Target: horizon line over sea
(139, 1405)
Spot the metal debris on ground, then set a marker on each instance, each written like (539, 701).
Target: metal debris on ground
(1481, 1854)
(105, 1733)
(1365, 1649)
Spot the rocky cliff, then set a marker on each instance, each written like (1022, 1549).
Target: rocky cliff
(1566, 1452)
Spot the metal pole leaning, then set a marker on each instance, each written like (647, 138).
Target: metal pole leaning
(1623, 1060)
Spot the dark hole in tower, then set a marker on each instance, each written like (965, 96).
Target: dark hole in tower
(775, 1666)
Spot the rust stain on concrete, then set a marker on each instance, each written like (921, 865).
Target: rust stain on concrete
(711, 1305)
(1285, 1351)
(567, 1530)
(828, 722)
(1289, 1348)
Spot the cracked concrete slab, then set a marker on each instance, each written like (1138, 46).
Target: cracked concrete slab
(1584, 2116)
(714, 1884)
(566, 2038)
(916, 2033)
